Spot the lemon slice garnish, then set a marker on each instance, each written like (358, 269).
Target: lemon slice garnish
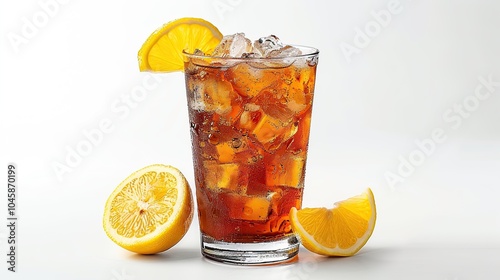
(162, 51)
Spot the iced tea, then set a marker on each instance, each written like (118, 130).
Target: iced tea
(249, 120)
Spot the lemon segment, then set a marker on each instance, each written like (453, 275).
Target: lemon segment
(162, 51)
(150, 211)
(340, 231)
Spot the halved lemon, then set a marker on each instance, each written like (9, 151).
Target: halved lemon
(340, 231)
(150, 211)
(162, 51)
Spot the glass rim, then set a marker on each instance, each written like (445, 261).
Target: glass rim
(306, 52)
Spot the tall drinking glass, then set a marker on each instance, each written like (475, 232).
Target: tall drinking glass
(250, 121)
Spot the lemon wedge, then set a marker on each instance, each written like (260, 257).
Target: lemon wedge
(340, 231)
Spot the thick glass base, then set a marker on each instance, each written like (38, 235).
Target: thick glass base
(267, 252)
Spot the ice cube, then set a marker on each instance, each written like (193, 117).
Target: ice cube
(301, 139)
(228, 150)
(271, 46)
(196, 102)
(250, 116)
(265, 45)
(286, 171)
(225, 176)
(300, 89)
(249, 208)
(215, 95)
(270, 130)
(233, 46)
(248, 80)
(274, 102)
(286, 51)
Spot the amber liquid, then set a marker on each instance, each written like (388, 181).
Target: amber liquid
(249, 128)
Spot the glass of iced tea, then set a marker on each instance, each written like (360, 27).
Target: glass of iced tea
(250, 114)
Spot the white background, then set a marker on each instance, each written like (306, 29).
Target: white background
(75, 65)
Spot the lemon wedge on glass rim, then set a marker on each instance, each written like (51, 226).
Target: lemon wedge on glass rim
(150, 211)
(162, 51)
(340, 231)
